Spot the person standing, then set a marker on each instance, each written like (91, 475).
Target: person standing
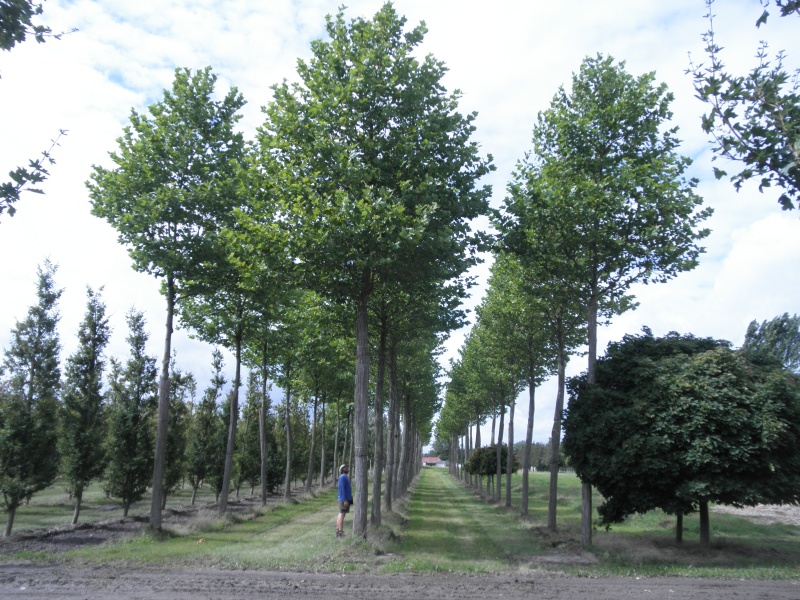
(345, 499)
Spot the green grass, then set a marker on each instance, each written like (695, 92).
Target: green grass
(53, 507)
(444, 526)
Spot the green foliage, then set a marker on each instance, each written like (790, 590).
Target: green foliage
(483, 461)
(376, 164)
(132, 403)
(754, 119)
(29, 399)
(776, 341)
(83, 403)
(678, 421)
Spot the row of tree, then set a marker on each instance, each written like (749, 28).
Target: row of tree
(83, 430)
(600, 204)
(354, 199)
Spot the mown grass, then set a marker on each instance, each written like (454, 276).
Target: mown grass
(446, 526)
(53, 507)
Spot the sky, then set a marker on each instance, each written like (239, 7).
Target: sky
(507, 58)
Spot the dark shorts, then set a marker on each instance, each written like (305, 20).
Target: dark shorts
(344, 507)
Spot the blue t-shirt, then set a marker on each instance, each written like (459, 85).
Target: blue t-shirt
(345, 491)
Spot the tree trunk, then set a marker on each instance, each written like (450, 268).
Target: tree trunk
(361, 405)
(391, 460)
(526, 456)
(322, 453)
(194, 495)
(336, 460)
(163, 414)
(705, 527)
(377, 471)
(555, 439)
(78, 497)
(510, 450)
(405, 445)
(310, 473)
(679, 527)
(234, 418)
(477, 447)
(287, 421)
(262, 431)
(591, 379)
(126, 506)
(499, 453)
(12, 511)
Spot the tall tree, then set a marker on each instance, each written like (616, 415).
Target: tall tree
(379, 175)
(754, 119)
(132, 403)
(29, 402)
(776, 341)
(606, 184)
(83, 404)
(168, 196)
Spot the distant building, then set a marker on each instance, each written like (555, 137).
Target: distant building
(434, 461)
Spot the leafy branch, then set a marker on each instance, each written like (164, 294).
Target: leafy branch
(34, 174)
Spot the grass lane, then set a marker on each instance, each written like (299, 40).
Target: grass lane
(450, 529)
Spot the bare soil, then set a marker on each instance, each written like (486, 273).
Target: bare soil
(26, 579)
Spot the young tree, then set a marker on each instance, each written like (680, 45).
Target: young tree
(182, 388)
(132, 403)
(203, 450)
(29, 400)
(378, 175)
(83, 426)
(168, 196)
(754, 119)
(605, 201)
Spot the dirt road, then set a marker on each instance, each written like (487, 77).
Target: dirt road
(66, 582)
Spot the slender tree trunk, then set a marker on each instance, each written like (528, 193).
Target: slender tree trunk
(310, 474)
(125, 508)
(391, 461)
(526, 456)
(477, 447)
(679, 527)
(499, 452)
(361, 405)
(705, 526)
(262, 430)
(78, 497)
(234, 419)
(591, 379)
(287, 421)
(194, 495)
(322, 453)
(555, 440)
(405, 445)
(377, 471)
(510, 449)
(336, 460)
(163, 413)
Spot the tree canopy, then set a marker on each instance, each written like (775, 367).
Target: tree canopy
(678, 422)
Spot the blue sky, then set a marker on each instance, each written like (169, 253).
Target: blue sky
(507, 58)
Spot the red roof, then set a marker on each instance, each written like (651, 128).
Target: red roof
(431, 460)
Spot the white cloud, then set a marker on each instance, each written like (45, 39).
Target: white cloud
(508, 58)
